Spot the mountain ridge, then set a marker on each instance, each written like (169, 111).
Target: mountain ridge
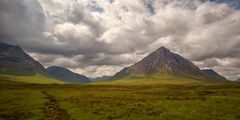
(14, 61)
(162, 62)
(213, 74)
(67, 75)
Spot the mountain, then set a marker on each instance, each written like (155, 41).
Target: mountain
(211, 73)
(14, 61)
(103, 78)
(66, 75)
(162, 63)
(238, 80)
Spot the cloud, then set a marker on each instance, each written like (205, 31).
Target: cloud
(20, 19)
(98, 71)
(90, 36)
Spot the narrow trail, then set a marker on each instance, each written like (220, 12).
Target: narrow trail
(51, 109)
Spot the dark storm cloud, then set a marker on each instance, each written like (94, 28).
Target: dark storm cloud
(20, 19)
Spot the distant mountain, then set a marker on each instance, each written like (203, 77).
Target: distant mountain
(67, 75)
(103, 78)
(14, 61)
(162, 62)
(211, 73)
(238, 80)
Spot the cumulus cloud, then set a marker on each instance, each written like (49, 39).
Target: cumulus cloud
(100, 37)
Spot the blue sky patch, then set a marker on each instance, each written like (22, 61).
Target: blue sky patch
(94, 7)
(149, 6)
(234, 3)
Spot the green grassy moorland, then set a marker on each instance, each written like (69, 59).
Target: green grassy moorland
(35, 79)
(147, 100)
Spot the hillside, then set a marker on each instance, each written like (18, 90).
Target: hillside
(34, 79)
(14, 61)
(66, 75)
(162, 64)
(18, 66)
(214, 75)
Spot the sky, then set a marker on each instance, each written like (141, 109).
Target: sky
(100, 37)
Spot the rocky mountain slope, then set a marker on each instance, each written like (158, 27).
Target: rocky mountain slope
(14, 61)
(162, 62)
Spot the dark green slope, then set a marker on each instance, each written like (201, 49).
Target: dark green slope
(67, 75)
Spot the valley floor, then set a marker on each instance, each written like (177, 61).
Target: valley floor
(119, 102)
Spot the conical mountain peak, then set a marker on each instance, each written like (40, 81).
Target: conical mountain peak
(161, 61)
(163, 49)
(161, 52)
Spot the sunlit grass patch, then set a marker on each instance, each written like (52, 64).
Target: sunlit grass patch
(36, 79)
